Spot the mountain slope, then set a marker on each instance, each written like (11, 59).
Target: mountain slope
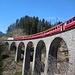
(1, 33)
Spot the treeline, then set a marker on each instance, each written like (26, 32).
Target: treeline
(30, 25)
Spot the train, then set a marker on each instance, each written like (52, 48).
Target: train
(56, 29)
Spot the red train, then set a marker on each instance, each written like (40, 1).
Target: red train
(56, 29)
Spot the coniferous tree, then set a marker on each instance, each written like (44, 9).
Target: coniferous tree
(17, 23)
(31, 25)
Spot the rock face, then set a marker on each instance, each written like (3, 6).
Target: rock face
(10, 67)
(62, 58)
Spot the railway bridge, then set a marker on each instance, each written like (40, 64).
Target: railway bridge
(45, 55)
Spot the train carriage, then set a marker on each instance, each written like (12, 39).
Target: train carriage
(70, 23)
(61, 27)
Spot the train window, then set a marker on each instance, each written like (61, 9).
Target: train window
(67, 22)
(70, 20)
(54, 29)
(74, 19)
(58, 27)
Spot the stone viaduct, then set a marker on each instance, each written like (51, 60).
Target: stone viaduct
(60, 46)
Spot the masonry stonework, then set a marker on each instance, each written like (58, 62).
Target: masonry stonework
(67, 36)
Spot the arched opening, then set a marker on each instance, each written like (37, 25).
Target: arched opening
(20, 54)
(58, 57)
(40, 58)
(13, 47)
(29, 58)
(6, 45)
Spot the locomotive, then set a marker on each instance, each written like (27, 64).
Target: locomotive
(56, 29)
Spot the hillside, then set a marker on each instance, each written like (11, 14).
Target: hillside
(23, 26)
(1, 33)
(8, 66)
(29, 25)
(16, 33)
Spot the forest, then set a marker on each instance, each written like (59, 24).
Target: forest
(31, 25)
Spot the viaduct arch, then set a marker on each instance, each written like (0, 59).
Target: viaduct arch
(54, 46)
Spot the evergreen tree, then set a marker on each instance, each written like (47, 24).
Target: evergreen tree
(17, 23)
(31, 25)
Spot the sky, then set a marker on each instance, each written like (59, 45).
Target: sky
(50, 10)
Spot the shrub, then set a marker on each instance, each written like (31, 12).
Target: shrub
(1, 63)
